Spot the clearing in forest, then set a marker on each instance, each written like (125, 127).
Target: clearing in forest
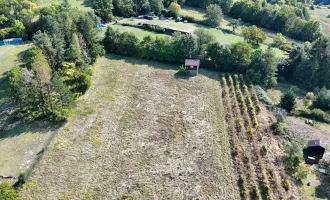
(140, 132)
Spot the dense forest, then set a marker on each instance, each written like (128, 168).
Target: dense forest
(57, 68)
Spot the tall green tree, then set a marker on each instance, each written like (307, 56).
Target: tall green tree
(288, 101)
(213, 15)
(204, 37)
(253, 35)
(241, 55)
(103, 9)
(263, 68)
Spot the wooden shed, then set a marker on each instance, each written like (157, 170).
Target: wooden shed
(316, 148)
(193, 66)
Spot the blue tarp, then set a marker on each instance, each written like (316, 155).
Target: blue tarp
(99, 26)
(13, 41)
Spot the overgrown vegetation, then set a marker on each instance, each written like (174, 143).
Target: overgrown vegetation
(56, 70)
(7, 192)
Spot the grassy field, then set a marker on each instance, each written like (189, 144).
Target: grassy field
(8, 56)
(137, 32)
(221, 36)
(140, 132)
(321, 14)
(20, 142)
(80, 4)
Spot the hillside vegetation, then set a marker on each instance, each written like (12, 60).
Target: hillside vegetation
(140, 133)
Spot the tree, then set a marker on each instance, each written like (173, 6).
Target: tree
(288, 101)
(253, 35)
(174, 9)
(103, 9)
(234, 23)
(204, 37)
(279, 40)
(213, 15)
(226, 5)
(240, 56)
(322, 99)
(124, 8)
(263, 68)
(7, 192)
(18, 28)
(183, 46)
(156, 6)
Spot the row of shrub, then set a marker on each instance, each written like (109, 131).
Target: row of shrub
(316, 114)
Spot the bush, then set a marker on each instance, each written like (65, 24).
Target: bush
(183, 71)
(301, 172)
(22, 178)
(288, 100)
(7, 192)
(315, 114)
(239, 124)
(278, 128)
(245, 190)
(286, 184)
(264, 150)
(256, 192)
(280, 115)
(263, 96)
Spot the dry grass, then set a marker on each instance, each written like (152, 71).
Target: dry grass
(146, 135)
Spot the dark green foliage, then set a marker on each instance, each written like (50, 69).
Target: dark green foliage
(263, 68)
(22, 178)
(174, 49)
(183, 71)
(289, 20)
(278, 128)
(213, 15)
(36, 91)
(7, 192)
(315, 114)
(103, 9)
(294, 161)
(288, 101)
(322, 100)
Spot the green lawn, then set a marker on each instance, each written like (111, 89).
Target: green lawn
(138, 32)
(75, 3)
(8, 56)
(19, 141)
(193, 12)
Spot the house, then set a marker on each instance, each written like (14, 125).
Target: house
(314, 151)
(193, 66)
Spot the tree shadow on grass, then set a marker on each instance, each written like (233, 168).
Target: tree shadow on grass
(164, 66)
(10, 126)
(322, 191)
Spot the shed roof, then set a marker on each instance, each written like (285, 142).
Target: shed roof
(316, 143)
(192, 62)
(328, 93)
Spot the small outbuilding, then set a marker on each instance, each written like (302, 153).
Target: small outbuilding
(315, 149)
(193, 66)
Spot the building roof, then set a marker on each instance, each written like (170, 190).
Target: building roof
(192, 62)
(316, 143)
(328, 93)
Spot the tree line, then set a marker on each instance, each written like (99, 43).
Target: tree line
(292, 19)
(239, 57)
(57, 69)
